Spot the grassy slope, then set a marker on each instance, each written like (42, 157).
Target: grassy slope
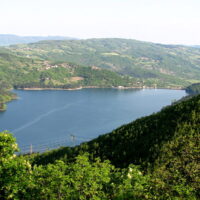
(161, 64)
(23, 71)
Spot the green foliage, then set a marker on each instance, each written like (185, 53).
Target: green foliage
(5, 96)
(14, 171)
(130, 183)
(81, 179)
(22, 72)
(178, 164)
(62, 78)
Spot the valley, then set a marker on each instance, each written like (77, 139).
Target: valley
(147, 157)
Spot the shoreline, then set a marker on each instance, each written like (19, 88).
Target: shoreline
(5, 104)
(49, 88)
(97, 87)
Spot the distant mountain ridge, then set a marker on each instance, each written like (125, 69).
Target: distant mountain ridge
(9, 39)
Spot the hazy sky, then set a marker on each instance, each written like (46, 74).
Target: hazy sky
(163, 21)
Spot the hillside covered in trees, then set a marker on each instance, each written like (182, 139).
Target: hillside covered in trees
(193, 89)
(154, 157)
(164, 65)
(5, 95)
(22, 72)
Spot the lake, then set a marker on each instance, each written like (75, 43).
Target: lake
(48, 119)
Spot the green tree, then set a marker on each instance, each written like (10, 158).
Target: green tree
(14, 170)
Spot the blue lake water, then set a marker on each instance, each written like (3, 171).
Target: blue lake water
(39, 117)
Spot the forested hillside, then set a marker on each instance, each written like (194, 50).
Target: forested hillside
(193, 89)
(22, 72)
(164, 65)
(158, 158)
(5, 95)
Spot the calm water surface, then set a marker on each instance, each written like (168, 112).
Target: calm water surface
(41, 116)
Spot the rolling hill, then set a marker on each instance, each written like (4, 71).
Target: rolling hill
(24, 72)
(164, 65)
